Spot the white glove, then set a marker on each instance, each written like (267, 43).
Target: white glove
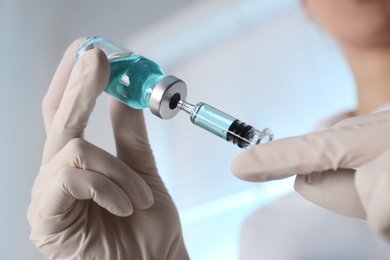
(86, 203)
(345, 169)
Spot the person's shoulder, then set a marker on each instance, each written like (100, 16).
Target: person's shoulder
(331, 120)
(383, 108)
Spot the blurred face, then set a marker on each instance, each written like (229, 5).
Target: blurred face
(357, 23)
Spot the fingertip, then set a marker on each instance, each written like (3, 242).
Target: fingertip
(259, 164)
(122, 212)
(95, 62)
(148, 200)
(125, 207)
(71, 51)
(96, 56)
(236, 167)
(242, 167)
(119, 204)
(142, 196)
(74, 46)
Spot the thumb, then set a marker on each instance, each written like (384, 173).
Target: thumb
(333, 190)
(131, 137)
(373, 186)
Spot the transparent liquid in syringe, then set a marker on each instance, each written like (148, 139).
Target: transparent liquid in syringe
(225, 126)
(212, 120)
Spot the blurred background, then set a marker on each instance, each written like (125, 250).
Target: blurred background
(260, 61)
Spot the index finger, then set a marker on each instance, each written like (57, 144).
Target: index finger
(58, 84)
(278, 159)
(88, 79)
(343, 147)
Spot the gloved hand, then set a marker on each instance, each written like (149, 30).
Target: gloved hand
(345, 168)
(86, 203)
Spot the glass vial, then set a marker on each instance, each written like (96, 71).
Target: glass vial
(225, 126)
(135, 80)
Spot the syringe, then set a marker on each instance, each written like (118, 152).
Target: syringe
(140, 83)
(223, 125)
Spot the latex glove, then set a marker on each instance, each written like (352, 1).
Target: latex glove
(86, 203)
(345, 168)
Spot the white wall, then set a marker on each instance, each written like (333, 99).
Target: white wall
(257, 60)
(33, 37)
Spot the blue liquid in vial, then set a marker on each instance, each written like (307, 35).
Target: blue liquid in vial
(132, 77)
(132, 80)
(212, 120)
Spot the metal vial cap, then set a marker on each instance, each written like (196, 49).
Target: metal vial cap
(166, 94)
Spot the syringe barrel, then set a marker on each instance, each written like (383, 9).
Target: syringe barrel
(227, 127)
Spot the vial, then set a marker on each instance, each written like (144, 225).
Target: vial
(225, 126)
(135, 80)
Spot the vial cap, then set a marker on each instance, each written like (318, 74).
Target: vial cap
(166, 94)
